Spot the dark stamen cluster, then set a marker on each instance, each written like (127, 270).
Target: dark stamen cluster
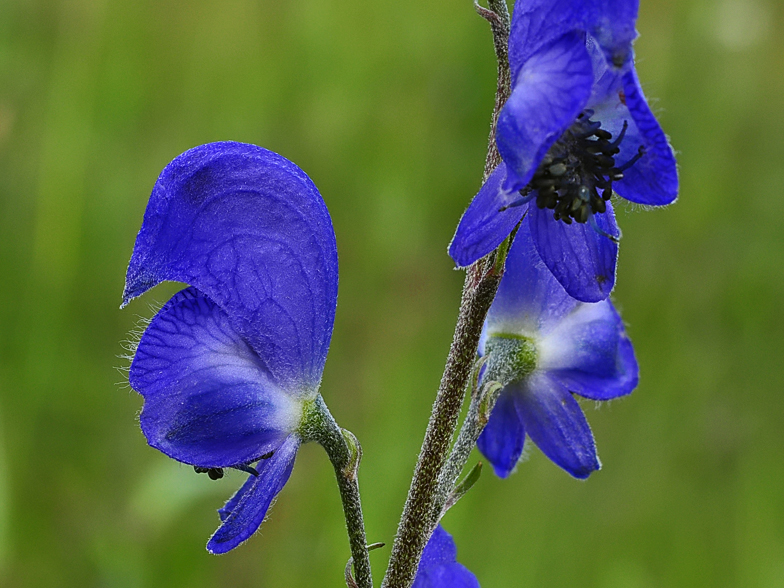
(217, 473)
(213, 473)
(580, 163)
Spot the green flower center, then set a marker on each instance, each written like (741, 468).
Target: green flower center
(510, 358)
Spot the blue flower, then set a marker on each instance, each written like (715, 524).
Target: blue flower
(438, 567)
(228, 366)
(544, 346)
(575, 128)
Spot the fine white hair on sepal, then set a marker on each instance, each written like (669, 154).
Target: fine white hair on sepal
(525, 455)
(634, 207)
(131, 343)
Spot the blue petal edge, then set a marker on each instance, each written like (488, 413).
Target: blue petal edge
(617, 100)
(582, 260)
(590, 354)
(502, 440)
(485, 225)
(556, 423)
(244, 513)
(439, 568)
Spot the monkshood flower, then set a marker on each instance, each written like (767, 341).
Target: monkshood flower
(438, 567)
(230, 366)
(544, 346)
(575, 129)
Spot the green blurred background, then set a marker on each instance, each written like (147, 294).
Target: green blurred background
(386, 105)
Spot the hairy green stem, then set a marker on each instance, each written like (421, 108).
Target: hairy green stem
(481, 283)
(345, 454)
(498, 17)
(482, 402)
(415, 524)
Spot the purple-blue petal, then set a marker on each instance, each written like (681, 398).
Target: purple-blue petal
(538, 22)
(618, 98)
(438, 567)
(529, 299)
(208, 398)
(232, 502)
(502, 440)
(550, 90)
(484, 225)
(590, 354)
(244, 513)
(581, 259)
(556, 423)
(248, 228)
(613, 27)
(653, 179)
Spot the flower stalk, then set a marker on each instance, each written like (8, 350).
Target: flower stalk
(481, 283)
(483, 400)
(415, 524)
(345, 453)
(498, 17)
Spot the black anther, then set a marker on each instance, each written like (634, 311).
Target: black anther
(213, 473)
(579, 164)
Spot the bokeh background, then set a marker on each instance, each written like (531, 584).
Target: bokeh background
(386, 105)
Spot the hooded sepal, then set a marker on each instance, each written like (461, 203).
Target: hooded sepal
(249, 229)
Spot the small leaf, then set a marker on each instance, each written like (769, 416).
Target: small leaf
(463, 486)
(350, 581)
(355, 450)
(489, 395)
(475, 371)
